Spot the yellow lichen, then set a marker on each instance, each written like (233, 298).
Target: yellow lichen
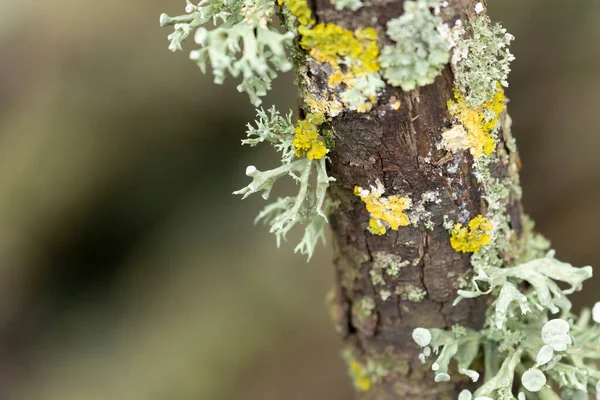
(352, 55)
(478, 123)
(331, 43)
(470, 240)
(300, 9)
(360, 379)
(386, 212)
(307, 141)
(376, 228)
(322, 106)
(336, 78)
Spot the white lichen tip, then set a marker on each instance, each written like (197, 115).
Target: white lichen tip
(478, 8)
(596, 313)
(250, 170)
(555, 333)
(164, 20)
(442, 377)
(421, 336)
(200, 35)
(533, 380)
(544, 355)
(465, 395)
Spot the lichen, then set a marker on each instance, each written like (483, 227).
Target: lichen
(300, 9)
(359, 377)
(386, 212)
(264, 48)
(477, 124)
(422, 48)
(302, 153)
(481, 61)
(470, 239)
(353, 58)
(417, 295)
(307, 140)
(347, 4)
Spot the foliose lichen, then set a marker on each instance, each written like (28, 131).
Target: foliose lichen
(475, 131)
(249, 22)
(520, 338)
(470, 239)
(386, 212)
(353, 59)
(422, 48)
(481, 60)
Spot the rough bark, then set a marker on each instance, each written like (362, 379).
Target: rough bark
(400, 149)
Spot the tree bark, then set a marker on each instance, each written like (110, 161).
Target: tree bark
(374, 316)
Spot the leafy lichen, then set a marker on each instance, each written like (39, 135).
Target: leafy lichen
(470, 239)
(248, 22)
(476, 124)
(307, 141)
(481, 60)
(300, 9)
(422, 46)
(353, 59)
(386, 212)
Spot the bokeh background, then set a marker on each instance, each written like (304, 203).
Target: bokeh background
(127, 269)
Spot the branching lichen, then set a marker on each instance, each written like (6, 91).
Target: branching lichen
(245, 43)
(309, 206)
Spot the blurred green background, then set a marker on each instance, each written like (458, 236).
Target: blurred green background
(127, 269)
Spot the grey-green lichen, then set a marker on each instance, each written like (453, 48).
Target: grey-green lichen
(481, 60)
(302, 155)
(417, 295)
(531, 334)
(244, 42)
(422, 48)
(347, 4)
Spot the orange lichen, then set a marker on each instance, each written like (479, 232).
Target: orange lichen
(470, 240)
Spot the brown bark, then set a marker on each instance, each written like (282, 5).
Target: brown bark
(400, 149)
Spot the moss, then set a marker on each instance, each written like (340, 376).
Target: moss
(471, 239)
